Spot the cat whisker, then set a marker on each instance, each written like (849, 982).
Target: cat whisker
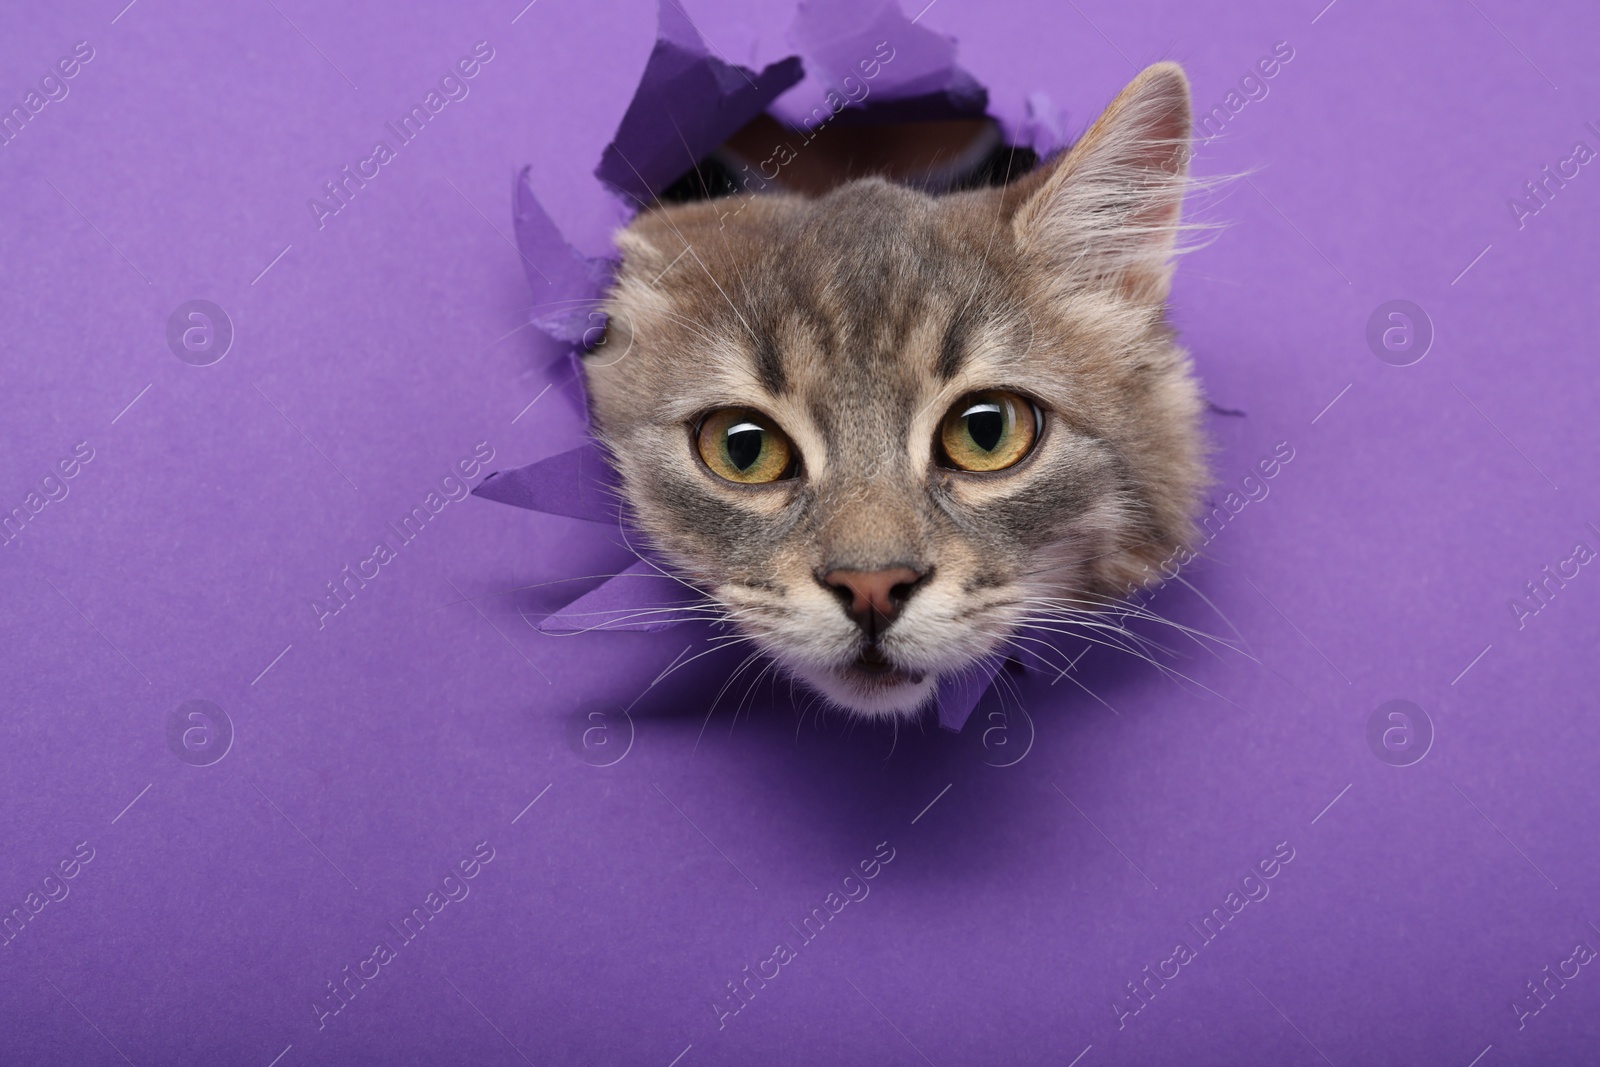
(676, 667)
(1143, 644)
(1215, 610)
(612, 616)
(1136, 654)
(683, 605)
(1170, 672)
(1122, 637)
(1163, 668)
(1128, 609)
(1068, 676)
(566, 302)
(1013, 640)
(726, 685)
(771, 666)
(712, 710)
(1008, 686)
(656, 566)
(531, 585)
(1207, 642)
(812, 704)
(638, 614)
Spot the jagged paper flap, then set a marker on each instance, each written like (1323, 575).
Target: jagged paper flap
(689, 101)
(578, 483)
(959, 693)
(566, 285)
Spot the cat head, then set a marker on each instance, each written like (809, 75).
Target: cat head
(886, 431)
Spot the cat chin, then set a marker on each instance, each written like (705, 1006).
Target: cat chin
(870, 697)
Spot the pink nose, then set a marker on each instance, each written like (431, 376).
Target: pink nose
(873, 598)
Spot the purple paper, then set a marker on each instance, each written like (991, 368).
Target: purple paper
(689, 101)
(1369, 828)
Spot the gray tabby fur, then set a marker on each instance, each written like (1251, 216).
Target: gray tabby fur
(855, 320)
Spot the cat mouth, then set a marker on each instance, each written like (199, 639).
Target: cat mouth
(871, 683)
(871, 669)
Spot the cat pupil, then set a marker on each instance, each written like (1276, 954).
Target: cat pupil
(985, 425)
(744, 444)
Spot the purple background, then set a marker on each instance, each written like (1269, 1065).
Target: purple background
(372, 754)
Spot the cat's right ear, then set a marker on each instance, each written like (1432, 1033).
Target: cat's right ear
(1106, 213)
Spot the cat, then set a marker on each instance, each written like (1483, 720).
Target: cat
(887, 432)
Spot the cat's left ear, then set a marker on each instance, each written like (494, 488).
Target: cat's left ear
(1106, 213)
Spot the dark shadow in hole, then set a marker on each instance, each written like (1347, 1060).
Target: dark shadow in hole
(937, 156)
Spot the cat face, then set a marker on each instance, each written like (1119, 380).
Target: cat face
(887, 432)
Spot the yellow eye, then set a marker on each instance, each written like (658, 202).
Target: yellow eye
(988, 431)
(744, 446)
